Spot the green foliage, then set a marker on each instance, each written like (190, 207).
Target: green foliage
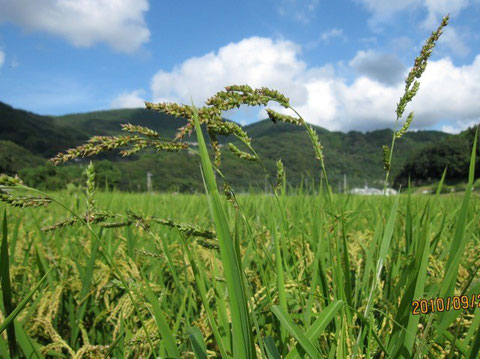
(38, 134)
(324, 275)
(48, 177)
(353, 153)
(304, 253)
(108, 123)
(411, 89)
(14, 157)
(107, 174)
(428, 164)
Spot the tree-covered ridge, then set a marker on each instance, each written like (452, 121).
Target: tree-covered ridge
(14, 158)
(356, 154)
(451, 153)
(38, 134)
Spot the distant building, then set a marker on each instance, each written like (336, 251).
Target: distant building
(373, 191)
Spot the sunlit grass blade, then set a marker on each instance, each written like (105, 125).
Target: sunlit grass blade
(475, 347)
(198, 272)
(282, 294)
(198, 345)
(30, 348)
(384, 246)
(404, 334)
(296, 332)
(86, 283)
(320, 324)
(272, 351)
(382, 256)
(224, 322)
(243, 346)
(440, 184)
(6, 287)
(115, 343)
(22, 304)
(459, 240)
(456, 342)
(163, 328)
(4, 352)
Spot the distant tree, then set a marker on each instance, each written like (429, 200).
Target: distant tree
(453, 153)
(107, 174)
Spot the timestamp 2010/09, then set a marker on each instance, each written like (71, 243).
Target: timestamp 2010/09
(458, 302)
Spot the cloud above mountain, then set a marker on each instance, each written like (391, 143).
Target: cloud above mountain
(323, 97)
(118, 23)
(385, 68)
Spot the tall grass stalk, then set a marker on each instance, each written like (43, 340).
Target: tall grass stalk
(291, 275)
(243, 345)
(411, 88)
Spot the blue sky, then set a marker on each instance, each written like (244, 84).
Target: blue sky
(342, 63)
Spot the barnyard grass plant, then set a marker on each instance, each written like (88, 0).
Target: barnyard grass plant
(237, 276)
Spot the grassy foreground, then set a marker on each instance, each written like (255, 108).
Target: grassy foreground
(405, 248)
(242, 277)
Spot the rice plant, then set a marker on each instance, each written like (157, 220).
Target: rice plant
(228, 275)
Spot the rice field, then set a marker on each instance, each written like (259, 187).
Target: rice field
(329, 285)
(290, 275)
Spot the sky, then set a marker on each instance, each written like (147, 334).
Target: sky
(342, 63)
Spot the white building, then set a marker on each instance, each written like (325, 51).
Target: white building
(373, 191)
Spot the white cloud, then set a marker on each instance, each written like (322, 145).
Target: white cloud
(439, 8)
(383, 11)
(454, 41)
(388, 7)
(447, 93)
(384, 68)
(256, 61)
(325, 38)
(400, 45)
(132, 99)
(299, 10)
(2, 58)
(449, 129)
(14, 63)
(332, 33)
(459, 126)
(119, 23)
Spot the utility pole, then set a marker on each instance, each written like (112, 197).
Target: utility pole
(344, 183)
(149, 181)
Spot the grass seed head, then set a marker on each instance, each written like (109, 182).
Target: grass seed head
(386, 157)
(241, 154)
(140, 129)
(6, 180)
(280, 174)
(405, 126)
(276, 117)
(419, 67)
(90, 173)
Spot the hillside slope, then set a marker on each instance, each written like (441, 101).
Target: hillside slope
(356, 154)
(108, 122)
(36, 133)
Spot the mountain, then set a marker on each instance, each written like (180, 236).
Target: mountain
(358, 155)
(38, 134)
(105, 123)
(13, 158)
(451, 154)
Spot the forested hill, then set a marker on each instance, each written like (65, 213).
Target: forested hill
(355, 153)
(38, 134)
